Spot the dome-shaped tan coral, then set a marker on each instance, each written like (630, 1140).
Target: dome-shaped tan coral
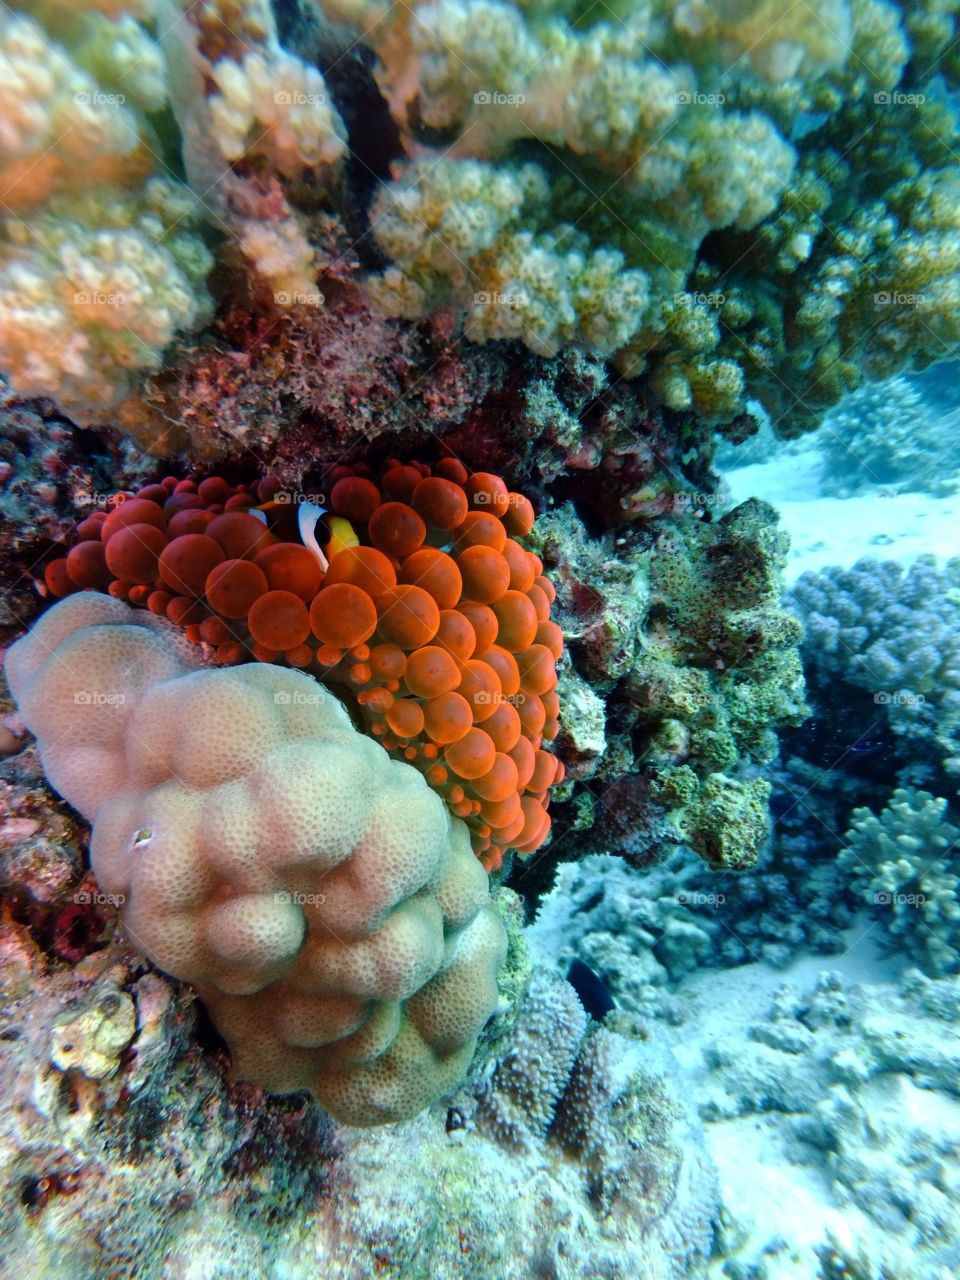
(326, 905)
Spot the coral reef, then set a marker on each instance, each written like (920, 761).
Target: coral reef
(328, 910)
(461, 675)
(905, 864)
(887, 435)
(894, 634)
(675, 184)
(166, 1169)
(683, 637)
(695, 210)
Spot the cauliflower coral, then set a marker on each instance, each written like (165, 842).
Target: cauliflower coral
(736, 198)
(102, 260)
(323, 901)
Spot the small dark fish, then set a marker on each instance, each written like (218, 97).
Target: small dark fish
(594, 996)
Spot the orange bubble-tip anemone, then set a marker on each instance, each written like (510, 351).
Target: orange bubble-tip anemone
(416, 599)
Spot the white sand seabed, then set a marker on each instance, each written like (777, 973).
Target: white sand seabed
(781, 1210)
(840, 531)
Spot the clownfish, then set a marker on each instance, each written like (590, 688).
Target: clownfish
(338, 533)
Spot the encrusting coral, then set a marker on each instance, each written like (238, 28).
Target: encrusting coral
(684, 638)
(326, 906)
(460, 676)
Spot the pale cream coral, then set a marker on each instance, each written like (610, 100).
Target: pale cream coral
(93, 288)
(273, 105)
(58, 128)
(327, 906)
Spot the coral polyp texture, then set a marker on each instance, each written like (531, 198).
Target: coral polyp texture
(904, 865)
(731, 200)
(327, 907)
(437, 626)
(103, 260)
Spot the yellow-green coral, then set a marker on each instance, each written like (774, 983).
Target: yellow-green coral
(454, 230)
(713, 193)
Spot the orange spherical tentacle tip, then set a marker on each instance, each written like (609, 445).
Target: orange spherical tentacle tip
(290, 568)
(279, 620)
(186, 561)
(436, 572)
(396, 529)
(58, 580)
(363, 567)
(355, 498)
(485, 573)
(516, 619)
(519, 516)
(87, 566)
(479, 529)
(431, 671)
(538, 672)
(441, 503)
(409, 617)
(456, 635)
(240, 535)
(342, 615)
(134, 552)
(487, 492)
(472, 756)
(447, 718)
(405, 718)
(233, 585)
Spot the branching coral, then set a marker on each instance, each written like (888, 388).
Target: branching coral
(896, 635)
(905, 865)
(887, 435)
(328, 909)
(676, 184)
(98, 270)
(101, 263)
(93, 288)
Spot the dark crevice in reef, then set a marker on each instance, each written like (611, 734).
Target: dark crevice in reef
(373, 137)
